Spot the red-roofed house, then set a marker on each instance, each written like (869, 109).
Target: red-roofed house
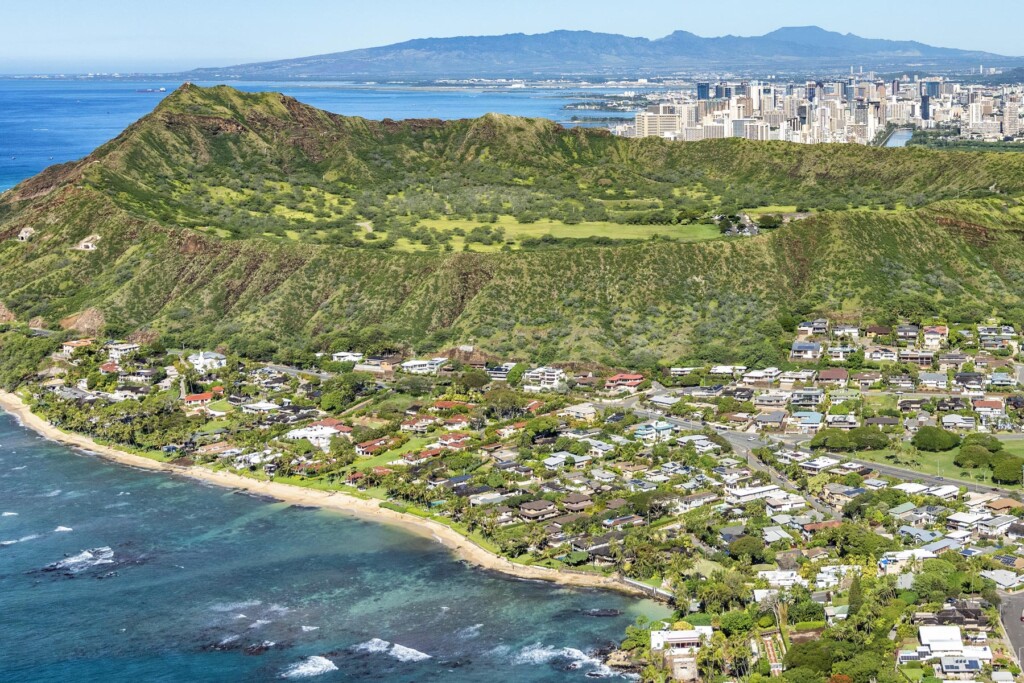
(623, 382)
(367, 448)
(195, 400)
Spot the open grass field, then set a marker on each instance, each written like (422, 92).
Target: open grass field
(515, 231)
(938, 464)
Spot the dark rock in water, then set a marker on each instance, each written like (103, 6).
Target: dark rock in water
(257, 649)
(602, 612)
(455, 664)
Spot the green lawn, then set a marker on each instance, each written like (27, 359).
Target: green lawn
(414, 444)
(935, 464)
(518, 231)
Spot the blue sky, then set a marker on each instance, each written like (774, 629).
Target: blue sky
(117, 35)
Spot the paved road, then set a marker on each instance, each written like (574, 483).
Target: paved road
(1010, 614)
(913, 475)
(295, 372)
(743, 447)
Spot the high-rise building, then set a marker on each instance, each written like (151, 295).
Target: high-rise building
(1011, 118)
(932, 88)
(926, 110)
(703, 91)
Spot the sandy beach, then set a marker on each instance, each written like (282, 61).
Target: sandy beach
(461, 546)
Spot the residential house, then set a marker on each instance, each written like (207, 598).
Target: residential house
(623, 382)
(907, 333)
(206, 362)
(835, 376)
(774, 420)
(969, 380)
(543, 378)
(805, 422)
(961, 423)
(841, 353)
(933, 381)
(813, 328)
(954, 360)
(762, 377)
(537, 510)
(423, 367)
(741, 496)
(805, 351)
(918, 357)
(843, 331)
(880, 354)
(119, 350)
(807, 398)
(865, 380)
(583, 412)
(935, 336)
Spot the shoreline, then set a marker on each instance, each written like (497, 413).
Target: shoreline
(461, 546)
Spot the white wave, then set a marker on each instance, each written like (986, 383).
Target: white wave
(63, 528)
(30, 537)
(279, 609)
(52, 494)
(407, 654)
(258, 623)
(6, 543)
(373, 645)
(573, 658)
(9, 514)
(309, 667)
(20, 467)
(93, 557)
(307, 629)
(233, 606)
(228, 640)
(470, 631)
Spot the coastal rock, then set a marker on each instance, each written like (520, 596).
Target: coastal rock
(622, 660)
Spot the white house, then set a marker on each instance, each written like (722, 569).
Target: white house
(118, 351)
(207, 361)
(423, 367)
(739, 496)
(347, 357)
(544, 377)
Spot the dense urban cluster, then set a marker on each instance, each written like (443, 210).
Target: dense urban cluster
(862, 108)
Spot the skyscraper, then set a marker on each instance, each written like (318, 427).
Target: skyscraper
(703, 91)
(926, 111)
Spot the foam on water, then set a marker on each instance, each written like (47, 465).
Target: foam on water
(86, 559)
(373, 645)
(470, 631)
(407, 654)
(233, 606)
(18, 468)
(309, 667)
(63, 528)
(258, 623)
(52, 494)
(307, 629)
(569, 657)
(9, 514)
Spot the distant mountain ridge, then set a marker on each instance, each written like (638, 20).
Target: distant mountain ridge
(589, 53)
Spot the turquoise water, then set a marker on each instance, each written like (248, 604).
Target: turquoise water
(43, 122)
(108, 573)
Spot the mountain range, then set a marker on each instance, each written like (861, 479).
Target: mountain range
(257, 224)
(807, 49)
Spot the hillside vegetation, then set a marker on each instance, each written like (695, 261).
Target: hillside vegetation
(254, 221)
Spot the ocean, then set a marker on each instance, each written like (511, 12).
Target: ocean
(49, 121)
(109, 573)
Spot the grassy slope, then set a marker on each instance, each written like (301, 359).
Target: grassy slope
(672, 300)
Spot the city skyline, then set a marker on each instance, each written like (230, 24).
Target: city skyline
(119, 36)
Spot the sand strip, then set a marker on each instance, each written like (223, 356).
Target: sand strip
(461, 546)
